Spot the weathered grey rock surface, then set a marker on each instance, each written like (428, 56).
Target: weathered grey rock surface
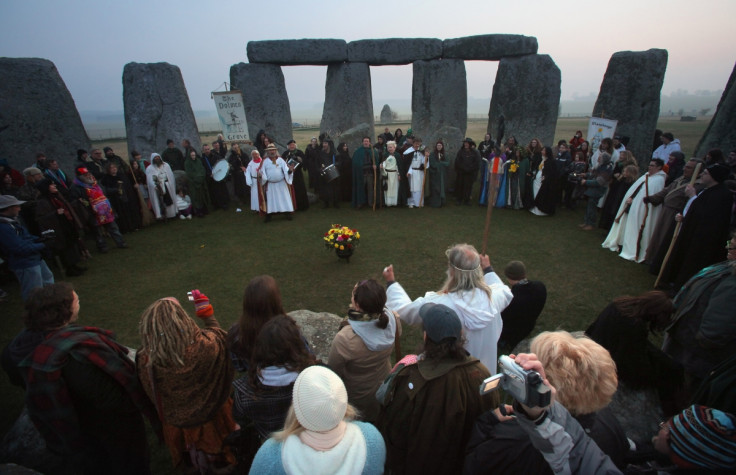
(157, 108)
(394, 50)
(354, 136)
(489, 47)
(527, 93)
(348, 98)
(13, 469)
(305, 51)
(386, 114)
(439, 96)
(630, 93)
(319, 328)
(265, 100)
(24, 446)
(721, 132)
(37, 114)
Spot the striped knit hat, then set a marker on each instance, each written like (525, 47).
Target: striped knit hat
(701, 437)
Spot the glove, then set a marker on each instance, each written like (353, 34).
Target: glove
(202, 306)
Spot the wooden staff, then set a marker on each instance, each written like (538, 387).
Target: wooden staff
(489, 209)
(146, 218)
(696, 172)
(643, 221)
(424, 181)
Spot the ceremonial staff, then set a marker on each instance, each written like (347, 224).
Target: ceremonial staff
(489, 209)
(677, 231)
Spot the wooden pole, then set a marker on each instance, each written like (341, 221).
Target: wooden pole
(424, 180)
(696, 172)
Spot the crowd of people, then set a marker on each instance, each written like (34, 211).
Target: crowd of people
(256, 397)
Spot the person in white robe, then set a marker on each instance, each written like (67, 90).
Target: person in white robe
(627, 229)
(161, 182)
(472, 289)
(276, 177)
(390, 172)
(251, 178)
(416, 175)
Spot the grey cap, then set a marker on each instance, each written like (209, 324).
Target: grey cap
(440, 322)
(6, 201)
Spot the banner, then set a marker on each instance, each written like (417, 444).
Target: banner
(599, 129)
(231, 113)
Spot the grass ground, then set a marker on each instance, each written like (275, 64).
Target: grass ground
(221, 253)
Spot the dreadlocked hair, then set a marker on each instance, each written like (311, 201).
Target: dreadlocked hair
(166, 330)
(464, 272)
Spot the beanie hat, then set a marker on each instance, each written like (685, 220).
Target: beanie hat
(320, 399)
(701, 437)
(515, 270)
(668, 135)
(718, 172)
(81, 171)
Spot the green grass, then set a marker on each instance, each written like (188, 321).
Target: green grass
(221, 253)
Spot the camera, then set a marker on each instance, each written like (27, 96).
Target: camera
(526, 386)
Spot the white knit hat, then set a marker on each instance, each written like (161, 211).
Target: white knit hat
(320, 399)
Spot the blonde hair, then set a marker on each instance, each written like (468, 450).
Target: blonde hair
(292, 426)
(581, 370)
(464, 272)
(166, 330)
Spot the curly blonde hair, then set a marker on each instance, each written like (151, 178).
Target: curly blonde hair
(581, 370)
(166, 330)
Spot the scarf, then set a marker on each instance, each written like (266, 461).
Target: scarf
(348, 456)
(49, 402)
(98, 202)
(58, 204)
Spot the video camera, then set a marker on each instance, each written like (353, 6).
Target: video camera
(526, 386)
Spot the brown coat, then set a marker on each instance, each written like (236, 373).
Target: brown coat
(361, 369)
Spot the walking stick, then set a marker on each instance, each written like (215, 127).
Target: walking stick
(373, 161)
(489, 209)
(696, 172)
(424, 180)
(643, 221)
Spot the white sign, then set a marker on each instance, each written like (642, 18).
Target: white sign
(231, 112)
(599, 129)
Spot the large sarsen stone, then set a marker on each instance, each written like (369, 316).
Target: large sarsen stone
(439, 96)
(630, 93)
(37, 114)
(489, 47)
(348, 98)
(394, 50)
(306, 51)
(721, 132)
(527, 94)
(265, 100)
(157, 108)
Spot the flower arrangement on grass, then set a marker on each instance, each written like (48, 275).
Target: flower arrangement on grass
(341, 238)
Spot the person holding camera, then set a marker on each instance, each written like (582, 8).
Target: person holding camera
(584, 376)
(430, 405)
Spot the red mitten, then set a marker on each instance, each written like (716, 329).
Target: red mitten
(202, 305)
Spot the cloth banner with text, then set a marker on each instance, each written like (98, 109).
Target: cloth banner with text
(599, 129)
(231, 113)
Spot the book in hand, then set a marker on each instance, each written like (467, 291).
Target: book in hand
(293, 163)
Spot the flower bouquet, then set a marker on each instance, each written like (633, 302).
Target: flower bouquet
(342, 239)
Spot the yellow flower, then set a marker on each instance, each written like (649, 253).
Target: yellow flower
(342, 248)
(357, 235)
(336, 246)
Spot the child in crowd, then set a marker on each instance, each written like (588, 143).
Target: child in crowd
(183, 204)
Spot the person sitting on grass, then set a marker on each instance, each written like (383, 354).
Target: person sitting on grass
(183, 204)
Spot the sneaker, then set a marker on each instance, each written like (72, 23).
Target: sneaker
(182, 217)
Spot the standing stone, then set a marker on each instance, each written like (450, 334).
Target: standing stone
(721, 132)
(439, 97)
(386, 115)
(265, 100)
(354, 136)
(319, 329)
(630, 93)
(37, 114)
(394, 50)
(157, 108)
(348, 99)
(285, 52)
(527, 93)
(489, 47)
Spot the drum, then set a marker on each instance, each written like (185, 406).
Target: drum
(221, 170)
(329, 173)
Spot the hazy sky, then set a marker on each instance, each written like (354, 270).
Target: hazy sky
(90, 41)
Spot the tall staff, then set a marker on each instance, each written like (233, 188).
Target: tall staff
(677, 230)
(424, 179)
(489, 209)
(643, 221)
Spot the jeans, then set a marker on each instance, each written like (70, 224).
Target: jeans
(591, 212)
(113, 231)
(33, 277)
